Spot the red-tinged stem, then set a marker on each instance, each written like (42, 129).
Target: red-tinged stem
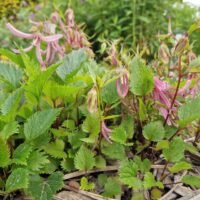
(176, 92)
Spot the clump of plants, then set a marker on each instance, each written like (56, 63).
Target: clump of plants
(63, 112)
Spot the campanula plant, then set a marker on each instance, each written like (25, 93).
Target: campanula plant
(65, 118)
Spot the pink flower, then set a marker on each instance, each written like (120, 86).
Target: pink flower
(122, 85)
(52, 44)
(105, 131)
(163, 94)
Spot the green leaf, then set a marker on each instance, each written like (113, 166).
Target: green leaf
(112, 188)
(34, 87)
(55, 90)
(100, 162)
(149, 181)
(18, 179)
(44, 190)
(128, 172)
(37, 160)
(9, 129)
(11, 104)
(75, 139)
(175, 152)
(163, 144)
(56, 149)
(72, 63)
(189, 112)
(193, 181)
(114, 150)
(128, 125)
(177, 167)
(67, 164)
(92, 124)
(10, 74)
(154, 131)
(85, 185)
(142, 110)
(119, 135)
(15, 58)
(84, 159)
(39, 123)
(4, 153)
(22, 153)
(109, 93)
(141, 78)
(144, 166)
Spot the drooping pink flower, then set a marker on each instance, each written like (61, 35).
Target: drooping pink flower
(122, 85)
(37, 38)
(163, 95)
(74, 37)
(105, 131)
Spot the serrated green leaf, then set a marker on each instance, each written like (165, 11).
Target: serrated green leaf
(9, 107)
(84, 159)
(141, 78)
(92, 124)
(67, 164)
(114, 150)
(112, 188)
(191, 180)
(119, 135)
(44, 190)
(34, 87)
(128, 125)
(72, 63)
(189, 112)
(128, 172)
(56, 149)
(175, 152)
(75, 139)
(85, 185)
(54, 91)
(22, 153)
(39, 123)
(149, 181)
(100, 162)
(143, 165)
(37, 160)
(109, 93)
(9, 129)
(10, 74)
(4, 153)
(177, 167)
(18, 179)
(154, 131)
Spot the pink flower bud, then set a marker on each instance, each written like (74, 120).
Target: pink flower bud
(122, 85)
(105, 131)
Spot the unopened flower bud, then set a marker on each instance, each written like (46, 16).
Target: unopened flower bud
(105, 131)
(122, 85)
(163, 53)
(92, 100)
(70, 17)
(181, 45)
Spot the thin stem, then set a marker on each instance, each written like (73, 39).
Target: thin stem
(176, 92)
(163, 172)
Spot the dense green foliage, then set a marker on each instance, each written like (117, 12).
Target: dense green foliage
(63, 111)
